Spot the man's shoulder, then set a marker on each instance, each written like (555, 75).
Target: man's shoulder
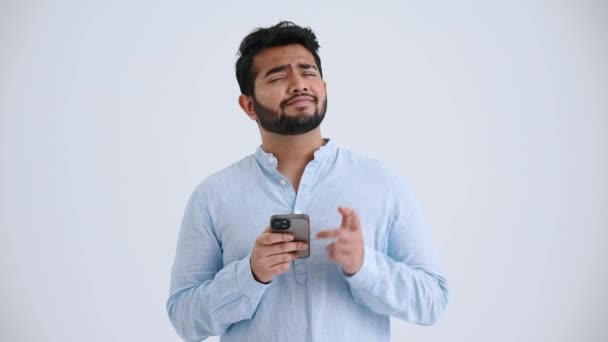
(227, 175)
(364, 164)
(375, 174)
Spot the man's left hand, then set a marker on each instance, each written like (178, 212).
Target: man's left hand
(347, 249)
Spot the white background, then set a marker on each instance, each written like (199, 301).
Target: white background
(496, 113)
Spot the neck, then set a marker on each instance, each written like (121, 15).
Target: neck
(292, 151)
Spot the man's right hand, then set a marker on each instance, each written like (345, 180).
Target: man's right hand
(272, 255)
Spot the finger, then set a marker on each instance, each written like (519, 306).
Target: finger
(278, 259)
(331, 251)
(345, 235)
(333, 254)
(272, 238)
(356, 223)
(285, 247)
(343, 250)
(280, 268)
(324, 234)
(267, 230)
(346, 217)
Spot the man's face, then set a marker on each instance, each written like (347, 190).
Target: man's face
(289, 94)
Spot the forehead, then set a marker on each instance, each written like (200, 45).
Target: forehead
(281, 55)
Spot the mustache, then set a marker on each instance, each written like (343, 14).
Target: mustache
(283, 103)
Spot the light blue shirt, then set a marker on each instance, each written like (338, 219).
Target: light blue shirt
(213, 291)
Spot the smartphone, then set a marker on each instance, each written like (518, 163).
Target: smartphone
(297, 225)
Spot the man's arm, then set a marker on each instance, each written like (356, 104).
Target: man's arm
(406, 282)
(205, 299)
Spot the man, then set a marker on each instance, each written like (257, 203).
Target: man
(371, 256)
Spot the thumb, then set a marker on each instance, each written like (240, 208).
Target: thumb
(355, 221)
(346, 217)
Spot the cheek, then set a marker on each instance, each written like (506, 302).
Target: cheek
(319, 89)
(268, 96)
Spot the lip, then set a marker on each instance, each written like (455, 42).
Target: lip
(300, 100)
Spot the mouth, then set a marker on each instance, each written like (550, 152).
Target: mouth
(301, 100)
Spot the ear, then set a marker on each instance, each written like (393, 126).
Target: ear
(246, 104)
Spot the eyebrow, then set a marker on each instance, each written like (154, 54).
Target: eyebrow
(284, 67)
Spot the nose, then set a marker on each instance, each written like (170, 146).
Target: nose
(297, 84)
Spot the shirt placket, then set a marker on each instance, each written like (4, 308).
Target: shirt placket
(299, 207)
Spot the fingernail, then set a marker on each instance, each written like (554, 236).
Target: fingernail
(304, 245)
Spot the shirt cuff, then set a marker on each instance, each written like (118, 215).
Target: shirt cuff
(245, 281)
(367, 275)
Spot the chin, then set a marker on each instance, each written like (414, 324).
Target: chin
(301, 112)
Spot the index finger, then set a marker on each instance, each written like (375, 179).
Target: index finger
(324, 234)
(269, 238)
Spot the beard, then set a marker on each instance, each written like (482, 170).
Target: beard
(282, 123)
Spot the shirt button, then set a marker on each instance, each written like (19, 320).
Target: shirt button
(271, 160)
(283, 182)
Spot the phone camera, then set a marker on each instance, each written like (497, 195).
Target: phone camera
(280, 224)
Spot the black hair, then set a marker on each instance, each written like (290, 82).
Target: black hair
(283, 33)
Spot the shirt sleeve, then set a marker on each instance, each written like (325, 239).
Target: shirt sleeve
(405, 282)
(206, 298)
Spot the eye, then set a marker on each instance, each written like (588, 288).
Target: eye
(310, 74)
(276, 79)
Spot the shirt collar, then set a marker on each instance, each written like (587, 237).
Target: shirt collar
(269, 161)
